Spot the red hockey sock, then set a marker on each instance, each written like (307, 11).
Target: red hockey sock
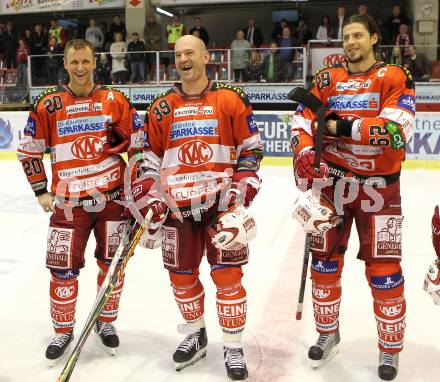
(63, 295)
(110, 310)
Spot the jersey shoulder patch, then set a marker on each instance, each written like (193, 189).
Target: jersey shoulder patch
(47, 92)
(409, 79)
(239, 91)
(158, 96)
(117, 91)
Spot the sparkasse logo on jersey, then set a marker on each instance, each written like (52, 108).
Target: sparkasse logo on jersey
(365, 101)
(82, 125)
(194, 128)
(195, 153)
(193, 110)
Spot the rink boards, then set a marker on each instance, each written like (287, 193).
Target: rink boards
(423, 149)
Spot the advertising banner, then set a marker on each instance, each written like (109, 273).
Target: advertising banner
(13, 7)
(275, 130)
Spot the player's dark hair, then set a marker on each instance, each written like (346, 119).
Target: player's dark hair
(369, 23)
(79, 44)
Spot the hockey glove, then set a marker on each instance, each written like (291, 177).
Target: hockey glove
(244, 187)
(304, 169)
(142, 199)
(432, 281)
(118, 140)
(435, 226)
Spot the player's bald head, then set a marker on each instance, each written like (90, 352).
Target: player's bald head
(190, 42)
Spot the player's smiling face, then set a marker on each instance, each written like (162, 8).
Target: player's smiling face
(190, 61)
(80, 65)
(358, 43)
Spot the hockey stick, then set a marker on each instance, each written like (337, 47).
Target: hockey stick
(115, 272)
(309, 100)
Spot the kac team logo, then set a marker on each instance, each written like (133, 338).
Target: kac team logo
(333, 59)
(195, 153)
(5, 133)
(87, 147)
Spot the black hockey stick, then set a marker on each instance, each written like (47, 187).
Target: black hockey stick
(117, 267)
(307, 99)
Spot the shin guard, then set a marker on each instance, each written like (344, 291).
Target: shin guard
(110, 310)
(63, 296)
(189, 295)
(231, 302)
(387, 287)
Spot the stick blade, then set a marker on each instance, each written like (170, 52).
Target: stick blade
(306, 98)
(298, 316)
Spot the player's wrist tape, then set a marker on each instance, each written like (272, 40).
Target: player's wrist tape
(40, 191)
(344, 127)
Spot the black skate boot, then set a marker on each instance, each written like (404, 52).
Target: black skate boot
(388, 365)
(58, 345)
(107, 334)
(191, 349)
(324, 349)
(235, 365)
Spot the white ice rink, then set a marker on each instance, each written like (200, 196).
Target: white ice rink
(276, 343)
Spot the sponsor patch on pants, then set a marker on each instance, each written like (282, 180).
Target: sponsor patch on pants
(319, 241)
(114, 231)
(233, 257)
(59, 248)
(387, 240)
(170, 247)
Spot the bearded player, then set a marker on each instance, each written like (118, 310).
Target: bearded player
(370, 109)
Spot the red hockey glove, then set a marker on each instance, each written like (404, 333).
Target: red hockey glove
(436, 231)
(244, 187)
(118, 140)
(304, 169)
(144, 199)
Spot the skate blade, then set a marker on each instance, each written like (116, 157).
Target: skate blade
(199, 355)
(53, 362)
(322, 362)
(110, 351)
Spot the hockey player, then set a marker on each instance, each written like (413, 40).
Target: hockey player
(86, 128)
(204, 150)
(432, 278)
(370, 109)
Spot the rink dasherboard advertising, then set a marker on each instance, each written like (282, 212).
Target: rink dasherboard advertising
(275, 130)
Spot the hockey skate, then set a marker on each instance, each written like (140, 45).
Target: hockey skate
(324, 349)
(388, 365)
(108, 335)
(192, 348)
(58, 346)
(235, 364)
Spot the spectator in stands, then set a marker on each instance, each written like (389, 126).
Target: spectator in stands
(118, 52)
(272, 64)
(117, 27)
(23, 52)
(104, 69)
(27, 37)
(54, 62)
(395, 20)
(339, 21)
(108, 37)
(303, 34)
(324, 31)
(196, 33)
(253, 34)
(396, 56)
(202, 31)
(384, 35)
(418, 64)
(153, 42)
(287, 54)
(137, 60)
(58, 32)
(404, 39)
(95, 35)
(363, 9)
(76, 34)
(278, 30)
(10, 44)
(174, 31)
(38, 47)
(255, 67)
(240, 49)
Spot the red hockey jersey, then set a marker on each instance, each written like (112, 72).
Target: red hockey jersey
(385, 93)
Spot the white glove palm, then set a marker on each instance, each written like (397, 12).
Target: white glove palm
(432, 282)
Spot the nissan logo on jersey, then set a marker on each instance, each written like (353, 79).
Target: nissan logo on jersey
(87, 147)
(195, 153)
(333, 59)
